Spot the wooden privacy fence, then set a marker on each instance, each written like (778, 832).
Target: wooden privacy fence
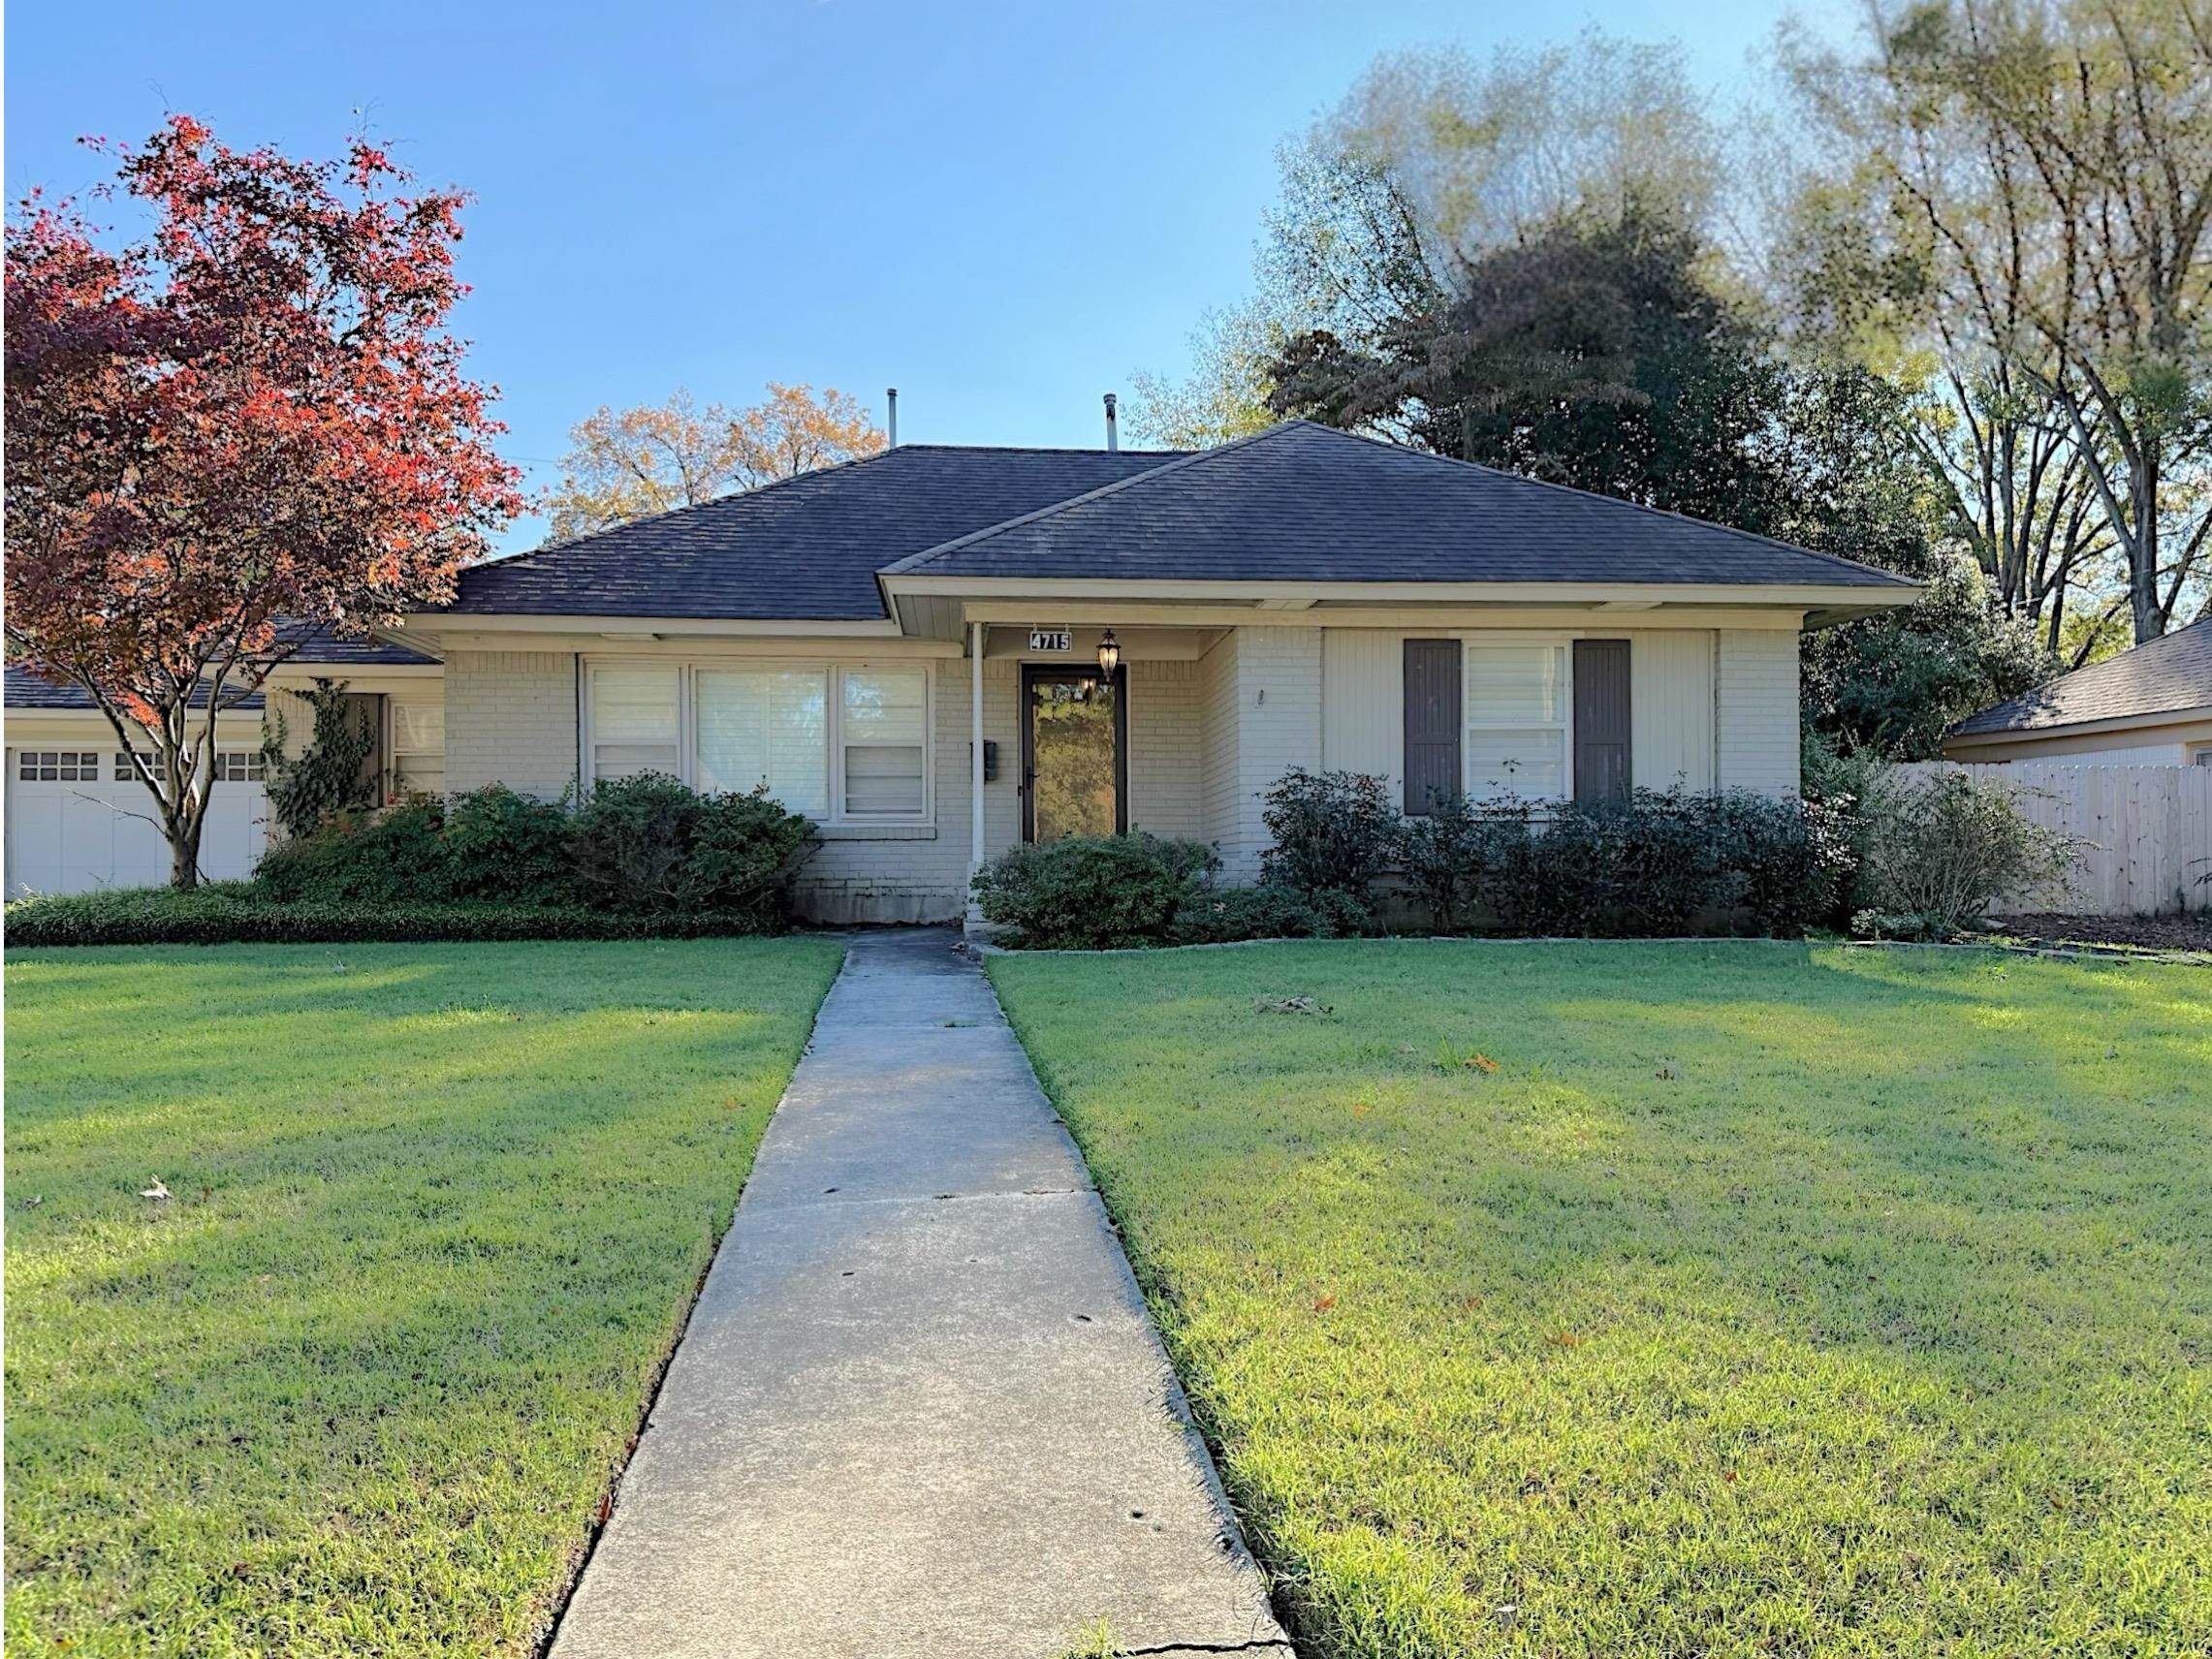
(2148, 832)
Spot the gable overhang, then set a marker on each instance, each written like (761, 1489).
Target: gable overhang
(924, 603)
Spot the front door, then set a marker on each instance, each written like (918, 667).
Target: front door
(1074, 738)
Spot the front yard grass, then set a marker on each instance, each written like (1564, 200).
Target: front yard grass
(1675, 1299)
(356, 1387)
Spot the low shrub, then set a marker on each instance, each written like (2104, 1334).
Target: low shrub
(1786, 862)
(1847, 793)
(236, 913)
(1443, 854)
(648, 844)
(1222, 916)
(1648, 866)
(508, 848)
(644, 845)
(1332, 832)
(393, 857)
(1941, 850)
(1094, 893)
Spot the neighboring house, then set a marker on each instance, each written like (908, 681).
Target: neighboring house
(938, 651)
(79, 818)
(2149, 706)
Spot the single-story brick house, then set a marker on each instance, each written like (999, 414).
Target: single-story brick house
(2148, 707)
(940, 650)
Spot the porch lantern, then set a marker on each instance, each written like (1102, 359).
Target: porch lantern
(1109, 653)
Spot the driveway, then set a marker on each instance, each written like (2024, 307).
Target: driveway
(920, 1408)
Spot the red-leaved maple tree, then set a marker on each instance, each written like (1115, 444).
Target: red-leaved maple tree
(251, 422)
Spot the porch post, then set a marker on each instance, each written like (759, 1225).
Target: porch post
(975, 633)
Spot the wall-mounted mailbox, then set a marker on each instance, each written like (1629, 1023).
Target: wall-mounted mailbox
(990, 758)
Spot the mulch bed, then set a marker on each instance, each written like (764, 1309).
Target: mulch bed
(2144, 933)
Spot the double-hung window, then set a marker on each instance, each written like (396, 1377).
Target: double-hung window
(765, 727)
(1517, 712)
(883, 731)
(417, 745)
(839, 744)
(637, 721)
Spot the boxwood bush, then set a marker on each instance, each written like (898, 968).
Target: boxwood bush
(1094, 893)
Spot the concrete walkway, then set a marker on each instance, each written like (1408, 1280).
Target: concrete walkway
(920, 1409)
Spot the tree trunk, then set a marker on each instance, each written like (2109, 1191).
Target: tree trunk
(2143, 552)
(184, 845)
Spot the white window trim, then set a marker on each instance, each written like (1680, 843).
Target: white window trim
(1564, 725)
(834, 670)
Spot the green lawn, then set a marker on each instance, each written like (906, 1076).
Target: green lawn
(358, 1386)
(1763, 1300)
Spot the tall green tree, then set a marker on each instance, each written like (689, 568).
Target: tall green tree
(1591, 353)
(2030, 185)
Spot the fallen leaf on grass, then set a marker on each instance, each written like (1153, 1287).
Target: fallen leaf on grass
(1564, 1339)
(1324, 1303)
(1360, 1108)
(157, 1191)
(1483, 1062)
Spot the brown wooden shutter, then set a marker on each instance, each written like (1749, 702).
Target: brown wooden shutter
(1432, 721)
(1603, 768)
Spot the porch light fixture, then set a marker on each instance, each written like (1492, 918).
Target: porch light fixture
(1109, 652)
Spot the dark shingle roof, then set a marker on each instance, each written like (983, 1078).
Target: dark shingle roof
(806, 548)
(2174, 671)
(316, 645)
(1301, 502)
(27, 688)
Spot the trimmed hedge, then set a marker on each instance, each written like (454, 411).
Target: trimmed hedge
(231, 913)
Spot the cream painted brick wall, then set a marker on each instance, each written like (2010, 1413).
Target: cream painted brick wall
(511, 719)
(1166, 751)
(1218, 708)
(1756, 710)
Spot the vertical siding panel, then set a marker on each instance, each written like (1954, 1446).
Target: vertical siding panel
(1670, 708)
(1361, 693)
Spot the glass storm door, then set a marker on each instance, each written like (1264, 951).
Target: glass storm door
(1074, 773)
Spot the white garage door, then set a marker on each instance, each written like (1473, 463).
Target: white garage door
(77, 819)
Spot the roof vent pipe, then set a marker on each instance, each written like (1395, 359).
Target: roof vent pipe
(1113, 436)
(891, 399)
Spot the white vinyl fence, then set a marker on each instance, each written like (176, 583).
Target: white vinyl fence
(2148, 832)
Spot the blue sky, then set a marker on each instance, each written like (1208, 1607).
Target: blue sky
(1001, 210)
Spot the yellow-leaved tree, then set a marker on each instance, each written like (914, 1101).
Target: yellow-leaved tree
(631, 463)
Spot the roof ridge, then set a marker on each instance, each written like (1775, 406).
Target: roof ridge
(1614, 501)
(1188, 457)
(850, 462)
(1045, 450)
